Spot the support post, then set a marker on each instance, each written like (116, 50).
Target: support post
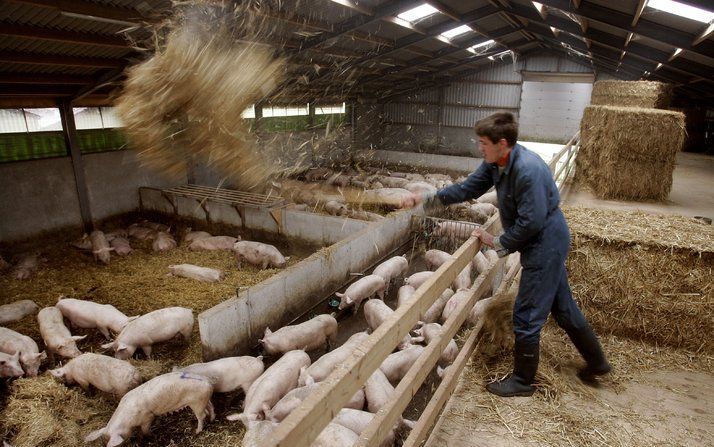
(70, 137)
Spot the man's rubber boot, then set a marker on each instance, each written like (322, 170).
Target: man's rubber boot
(589, 347)
(525, 365)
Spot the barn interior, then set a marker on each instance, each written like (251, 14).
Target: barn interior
(301, 125)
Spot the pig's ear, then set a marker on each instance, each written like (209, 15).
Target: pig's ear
(260, 357)
(339, 295)
(57, 373)
(287, 258)
(96, 434)
(108, 345)
(122, 347)
(42, 355)
(267, 331)
(78, 337)
(349, 300)
(115, 440)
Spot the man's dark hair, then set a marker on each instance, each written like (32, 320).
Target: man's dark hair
(497, 126)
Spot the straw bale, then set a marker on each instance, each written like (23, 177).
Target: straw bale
(629, 153)
(646, 94)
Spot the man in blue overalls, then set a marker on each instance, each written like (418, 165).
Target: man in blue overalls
(534, 225)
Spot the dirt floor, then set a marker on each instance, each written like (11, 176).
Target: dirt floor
(691, 194)
(654, 397)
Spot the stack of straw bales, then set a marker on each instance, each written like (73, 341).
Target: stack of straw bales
(627, 150)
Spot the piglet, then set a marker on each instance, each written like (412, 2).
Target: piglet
(230, 373)
(26, 266)
(12, 342)
(434, 313)
(258, 254)
(489, 197)
(480, 212)
(360, 290)
(83, 243)
(89, 315)
(190, 271)
(429, 332)
(213, 243)
(335, 435)
(460, 296)
(434, 258)
(257, 432)
(163, 242)
(16, 311)
(269, 388)
(105, 373)
(378, 391)
(391, 269)
(100, 247)
(480, 263)
(358, 420)
(322, 367)
(376, 312)
(121, 246)
(55, 334)
(417, 279)
(404, 295)
(310, 335)
(294, 398)
(155, 225)
(336, 208)
(141, 233)
(463, 279)
(163, 394)
(190, 236)
(10, 365)
(154, 327)
(396, 365)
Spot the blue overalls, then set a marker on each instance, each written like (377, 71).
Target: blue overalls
(533, 225)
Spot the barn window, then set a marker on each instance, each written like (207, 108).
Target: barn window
(98, 129)
(27, 134)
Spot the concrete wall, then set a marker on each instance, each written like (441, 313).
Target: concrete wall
(461, 165)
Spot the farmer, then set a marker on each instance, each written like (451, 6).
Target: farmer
(535, 226)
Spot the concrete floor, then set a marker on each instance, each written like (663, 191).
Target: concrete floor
(692, 191)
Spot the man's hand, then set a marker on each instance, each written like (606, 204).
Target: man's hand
(485, 236)
(410, 201)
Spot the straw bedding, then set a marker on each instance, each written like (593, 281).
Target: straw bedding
(629, 153)
(646, 94)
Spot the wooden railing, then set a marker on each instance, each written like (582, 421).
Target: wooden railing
(569, 152)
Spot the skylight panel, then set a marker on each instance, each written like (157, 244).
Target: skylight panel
(450, 34)
(418, 13)
(682, 10)
(482, 44)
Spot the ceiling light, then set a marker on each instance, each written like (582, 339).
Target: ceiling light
(682, 10)
(482, 44)
(450, 34)
(418, 13)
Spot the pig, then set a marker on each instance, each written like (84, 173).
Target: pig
(489, 197)
(105, 373)
(391, 269)
(17, 311)
(420, 187)
(491, 256)
(336, 208)
(141, 233)
(55, 334)
(10, 365)
(478, 311)
(388, 196)
(322, 367)
(376, 312)
(155, 226)
(365, 215)
(404, 295)
(271, 386)
(89, 315)
(83, 243)
(434, 313)
(100, 247)
(378, 391)
(435, 258)
(317, 174)
(257, 432)
(294, 398)
(230, 373)
(190, 236)
(310, 335)
(463, 279)
(121, 246)
(454, 302)
(163, 242)
(4, 265)
(513, 260)
(26, 266)
(163, 394)
(417, 279)
(12, 342)
(480, 263)
(360, 290)
(339, 179)
(335, 435)
(154, 327)
(258, 254)
(393, 182)
(480, 212)
(213, 243)
(190, 271)
(120, 232)
(396, 365)
(430, 331)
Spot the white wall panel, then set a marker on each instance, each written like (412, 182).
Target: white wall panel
(551, 111)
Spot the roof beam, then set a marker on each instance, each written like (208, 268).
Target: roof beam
(59, 60)
(38, 33)
(44, 79)
(36, 90)
(86, 9)
(638, 11)
(704, 35)
(104, 80)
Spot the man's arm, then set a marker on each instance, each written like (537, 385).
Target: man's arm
(475, 185)
(532, 209)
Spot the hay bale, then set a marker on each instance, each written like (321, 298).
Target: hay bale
(645, 94)
(643, 276)
(629, 153)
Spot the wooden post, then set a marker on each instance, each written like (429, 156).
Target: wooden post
(70, 137)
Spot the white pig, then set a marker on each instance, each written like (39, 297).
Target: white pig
(312, 334)
(360, 290)
(378, 391)
(55, 334)
(375, 312)
(460, 296)
(89, 315)
(271, 386)
(163, 394)
(154, 225)
(434, 313)
(190, 271)
(26, 266)
(83, 243)
(12, 342)
(322, 367)
(141, 233)
(358, 420)
(335, 435)
(105, 373)
(230, 373)
(10, 365)
(336, 208)
(391, 269)
(121, 245)
(190, 236)
(214, 243)
(480, 212)
(480, 263)
(463, 279)
(258, 254)
(396, 365)
(417, 279)
(257, 432)
(154, 327)
(430, 331)
(404, 295)
(434, 258)
(100, 247)
(478, 311)
(420, 187)
(17, 311)
(393, 182)
(489, 197)
(294, 398)
(163, 242)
